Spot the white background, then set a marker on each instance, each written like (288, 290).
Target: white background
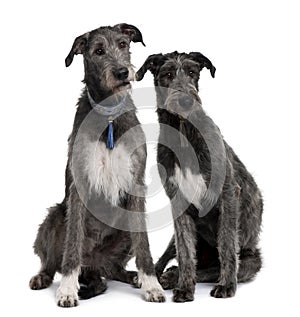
(254, 99)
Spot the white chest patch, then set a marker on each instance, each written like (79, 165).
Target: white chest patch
(109, 171)
(192, 186)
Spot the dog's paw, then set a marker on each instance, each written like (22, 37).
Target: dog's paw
(135, 282)
(182, 295)
(223, 291)
(151, 289)
(155, 295)
(94, 288)
(166, 282)
(40, 281)
(169, 279)
(66, 300)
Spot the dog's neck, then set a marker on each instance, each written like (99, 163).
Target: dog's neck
(184, 126)
(110, 107)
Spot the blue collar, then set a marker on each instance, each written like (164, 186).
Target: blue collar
(107, 111)
(110, 112)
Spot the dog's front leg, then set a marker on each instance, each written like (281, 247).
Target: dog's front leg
(67, 293)
(185, 239)
(152, 290)
(228, 245)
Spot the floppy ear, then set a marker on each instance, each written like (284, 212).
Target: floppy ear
(204, 62)
(133, 32)
(77, 48)
(152, 63)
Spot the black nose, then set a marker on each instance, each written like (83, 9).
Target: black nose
(121, 73)
(186, 102)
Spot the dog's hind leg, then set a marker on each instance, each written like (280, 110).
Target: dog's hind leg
(250, 264)
(43, 279)
(168, 255)
(128, 277)
(48, 246)
(169, 279)
(92, 284)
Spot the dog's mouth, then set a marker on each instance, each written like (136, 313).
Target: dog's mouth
(122, 86)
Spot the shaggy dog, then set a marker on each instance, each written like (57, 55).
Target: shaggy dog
(100, 224)
(216, 204)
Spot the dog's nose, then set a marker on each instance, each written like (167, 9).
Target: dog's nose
(186, 102)
(121, 73)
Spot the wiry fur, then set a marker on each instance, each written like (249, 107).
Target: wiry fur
(72, 240)
(222, 246)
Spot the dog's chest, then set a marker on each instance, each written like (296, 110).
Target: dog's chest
(109, 171)
(191, 185)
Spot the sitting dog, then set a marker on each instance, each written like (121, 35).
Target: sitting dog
(100, 224)
(216, 204)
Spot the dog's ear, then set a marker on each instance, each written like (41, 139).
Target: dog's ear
(152, 63)
(203, 61)
(77, 48)
(133, 32)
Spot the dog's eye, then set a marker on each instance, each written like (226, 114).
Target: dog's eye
(100, 51)
(191, 73)
(122, 44)
(167, 75)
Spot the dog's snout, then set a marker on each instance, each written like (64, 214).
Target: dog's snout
(186, 102)
(121, 73)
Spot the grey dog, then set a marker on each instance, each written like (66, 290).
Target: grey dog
(216, 204)
(90, 235)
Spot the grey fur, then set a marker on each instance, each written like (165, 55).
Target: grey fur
(220, 244)
(71, 240)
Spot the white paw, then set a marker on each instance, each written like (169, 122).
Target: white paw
(67, 293)
(151, 289)
(66, 300)
(154, 295)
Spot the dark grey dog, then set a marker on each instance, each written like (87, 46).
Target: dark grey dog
(104, 181)
(216, 205)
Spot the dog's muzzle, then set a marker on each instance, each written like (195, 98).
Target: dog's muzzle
(186, 102)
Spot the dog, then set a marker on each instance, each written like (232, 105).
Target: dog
(216, 204)
(100, 224)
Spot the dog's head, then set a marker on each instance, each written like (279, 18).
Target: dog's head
(106, 56)
(176, 77)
